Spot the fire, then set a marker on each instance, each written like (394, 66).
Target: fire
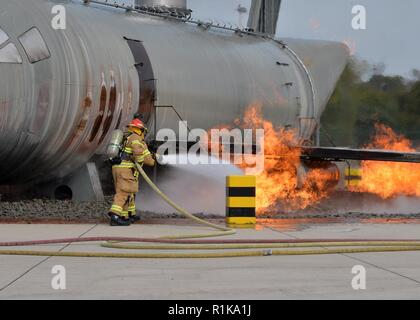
(288, 185)
(387, 179)
(282, 185)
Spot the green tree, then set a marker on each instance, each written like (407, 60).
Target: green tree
(357, 105)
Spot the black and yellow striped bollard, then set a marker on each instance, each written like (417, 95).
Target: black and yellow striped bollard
(353, 177)
(241, 200)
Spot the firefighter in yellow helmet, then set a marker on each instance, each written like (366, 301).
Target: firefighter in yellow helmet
(123, 210)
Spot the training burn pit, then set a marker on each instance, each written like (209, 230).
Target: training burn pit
(289, 183)
(286, 183)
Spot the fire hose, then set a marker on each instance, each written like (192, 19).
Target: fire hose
(249, 248)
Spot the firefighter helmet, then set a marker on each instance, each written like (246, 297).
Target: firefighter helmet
(137, 123)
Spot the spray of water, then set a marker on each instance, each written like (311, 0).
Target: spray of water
(198, 188)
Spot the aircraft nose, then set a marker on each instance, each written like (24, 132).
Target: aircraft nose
(325, 62)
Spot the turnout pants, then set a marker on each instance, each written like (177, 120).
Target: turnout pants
(126, 186)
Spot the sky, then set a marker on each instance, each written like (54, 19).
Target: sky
(391, 36)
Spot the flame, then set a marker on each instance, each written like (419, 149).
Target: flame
(285, 184)
(279, 186)
(387, 179)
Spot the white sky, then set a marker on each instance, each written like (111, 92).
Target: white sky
(392, 34)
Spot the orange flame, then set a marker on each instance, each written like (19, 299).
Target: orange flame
(387, 179)
(282, 185)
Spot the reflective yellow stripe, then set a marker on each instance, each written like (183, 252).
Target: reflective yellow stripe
(137, 142)
(241, 220)
(124, 214)
(125, 164)
(241, 202)
(116, 209)
(353, 177)
(140, 159)
(241, 181)
(143, 156)
(353, 172)
(128, 150)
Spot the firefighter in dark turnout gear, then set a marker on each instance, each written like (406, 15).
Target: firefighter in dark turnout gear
(125, 174)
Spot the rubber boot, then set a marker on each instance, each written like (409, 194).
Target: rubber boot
(134, 218)
(117, 221)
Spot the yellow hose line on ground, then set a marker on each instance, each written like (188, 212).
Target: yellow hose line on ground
(260, 245)
(254, 253)
(199, 235)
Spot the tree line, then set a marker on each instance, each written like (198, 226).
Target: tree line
(364, 96)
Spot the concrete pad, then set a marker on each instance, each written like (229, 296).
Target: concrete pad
(407, 264)
(350, 231)
(13, 267)
(389, 275)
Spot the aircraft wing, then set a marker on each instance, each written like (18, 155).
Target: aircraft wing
(312, 153)
(341, 154)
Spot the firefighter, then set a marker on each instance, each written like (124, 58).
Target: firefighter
(123, 210)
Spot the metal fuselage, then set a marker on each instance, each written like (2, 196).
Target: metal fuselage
(108, 64)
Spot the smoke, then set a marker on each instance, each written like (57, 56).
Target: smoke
(347, 202)
(197, 188)
(400, 205)
(201, 189)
